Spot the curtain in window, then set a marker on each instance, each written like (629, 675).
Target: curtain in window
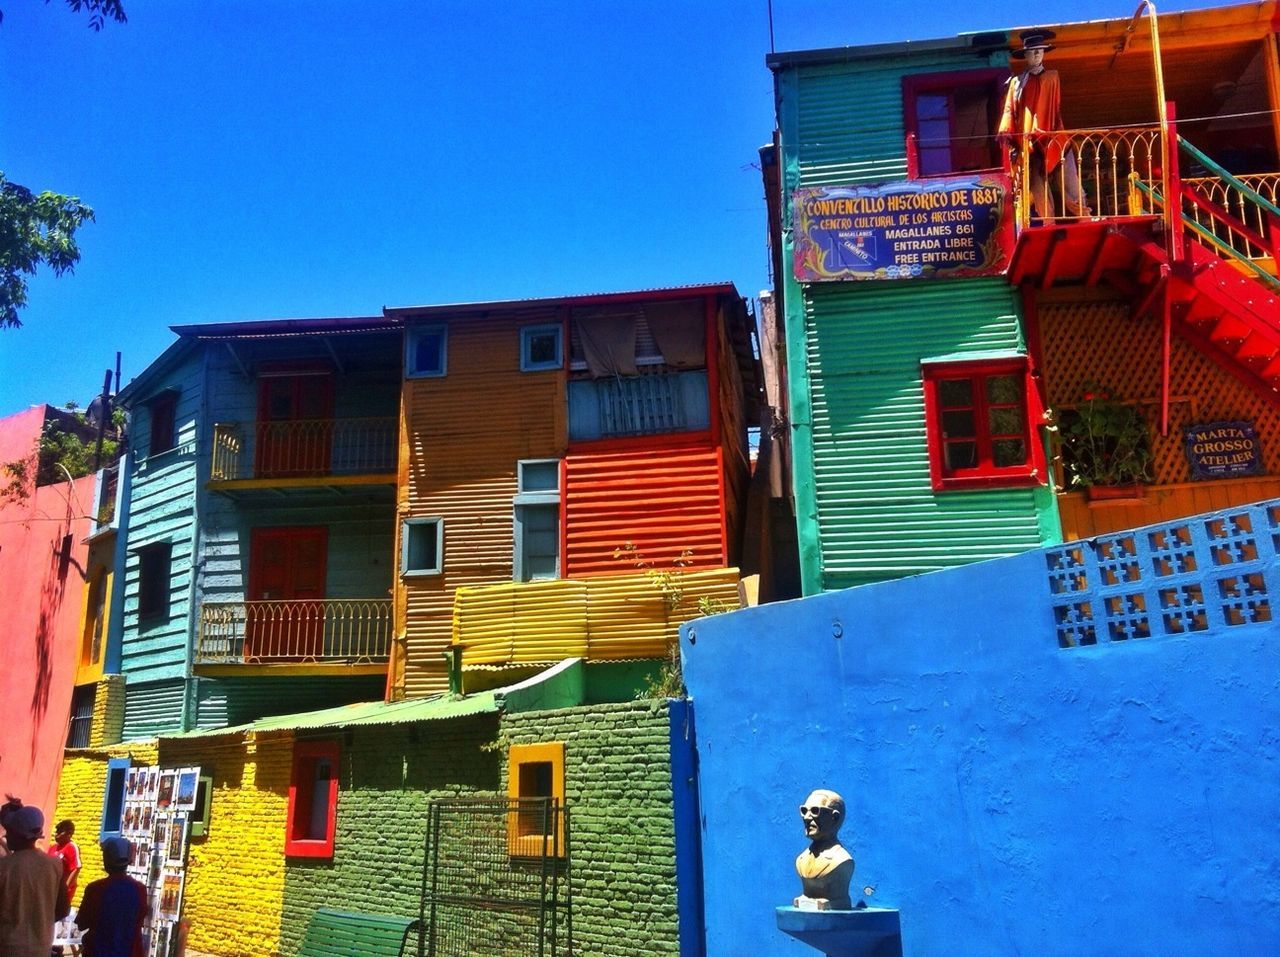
(679, 329)
(608, 343)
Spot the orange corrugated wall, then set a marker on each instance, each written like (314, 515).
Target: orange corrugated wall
(661, 500)
(462, 435)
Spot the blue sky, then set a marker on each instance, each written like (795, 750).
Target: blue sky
(269, 159)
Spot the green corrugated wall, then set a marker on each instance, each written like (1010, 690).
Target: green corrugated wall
(865, 508)
(877, 514)
(152, 709)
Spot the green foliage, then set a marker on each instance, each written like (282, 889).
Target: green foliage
(62, 449)
(34, 231)
(1104, 441)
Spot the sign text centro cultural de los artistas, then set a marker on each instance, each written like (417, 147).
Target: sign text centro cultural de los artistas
(932, 229)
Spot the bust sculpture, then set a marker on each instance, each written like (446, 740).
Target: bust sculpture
(825, 867)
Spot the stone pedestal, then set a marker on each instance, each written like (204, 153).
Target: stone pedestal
(868, 932)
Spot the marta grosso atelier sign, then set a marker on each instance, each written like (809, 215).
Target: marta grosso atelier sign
(930, 229)
(1223, 450)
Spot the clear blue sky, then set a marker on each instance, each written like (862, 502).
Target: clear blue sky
(273, 159)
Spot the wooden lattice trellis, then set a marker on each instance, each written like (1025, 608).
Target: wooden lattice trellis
(1096, 341)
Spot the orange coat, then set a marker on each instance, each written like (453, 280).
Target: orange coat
(1042, 116)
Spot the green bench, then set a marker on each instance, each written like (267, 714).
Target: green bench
(335, 933)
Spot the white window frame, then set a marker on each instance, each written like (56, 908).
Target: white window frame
(405, 526)
(522, 498)
(527, 333)
(412, 336)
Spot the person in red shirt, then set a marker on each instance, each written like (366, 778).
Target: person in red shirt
(114, 908)
(65, 849)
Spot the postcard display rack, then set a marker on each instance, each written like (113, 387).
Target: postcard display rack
(157, 810)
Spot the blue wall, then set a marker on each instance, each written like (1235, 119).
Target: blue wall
(1008, 794)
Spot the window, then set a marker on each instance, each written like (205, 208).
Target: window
(422, 546)
(162, 410)
(537, 520)
(951, 119)
(540, 348)
(81, 716)
(535, 785)
(154, 565)
(313, 800)
(113, 798)
(199, 820)
(978, 423)
(426, 352)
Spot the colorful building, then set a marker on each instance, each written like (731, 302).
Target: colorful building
(938, 323)
(260, 525)
(556, 456)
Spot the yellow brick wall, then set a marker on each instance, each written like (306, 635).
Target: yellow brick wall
(108, 712)
(80, 791)
(234, 893)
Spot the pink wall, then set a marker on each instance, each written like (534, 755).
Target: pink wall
(41, 602)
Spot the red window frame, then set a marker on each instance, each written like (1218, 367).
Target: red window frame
(307, 756)
(985, 473)
(948, 82)
(163, 411)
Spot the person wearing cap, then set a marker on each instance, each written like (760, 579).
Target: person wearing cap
(33, 894)
(114, 907)
(1033, 104)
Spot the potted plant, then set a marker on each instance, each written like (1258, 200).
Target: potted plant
(1105, 446)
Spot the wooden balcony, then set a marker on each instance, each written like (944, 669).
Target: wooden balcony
(304, 452)
(613, 618)
(649, 404)
(314, 636)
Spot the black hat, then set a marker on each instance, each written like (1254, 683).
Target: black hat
(1033, 40)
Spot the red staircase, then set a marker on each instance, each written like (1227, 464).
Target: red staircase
(1218, 299)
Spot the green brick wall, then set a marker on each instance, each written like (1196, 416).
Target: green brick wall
(622, 841)
(388, 776)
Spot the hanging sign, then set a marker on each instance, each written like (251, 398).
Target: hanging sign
(927, 229)
(1223, 450)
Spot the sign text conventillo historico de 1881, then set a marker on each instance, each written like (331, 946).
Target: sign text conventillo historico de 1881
(931, 229)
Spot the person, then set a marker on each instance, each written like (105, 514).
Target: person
(1033, 104)
(68, 855)
(825, 867)
(114, 907)
(33, 894)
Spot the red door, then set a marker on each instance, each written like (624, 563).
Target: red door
(295, 425)
(285, 618)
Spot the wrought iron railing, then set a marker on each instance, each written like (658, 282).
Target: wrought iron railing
(1105, 163)
(304, 448)
(328, 630)
(1240, 205)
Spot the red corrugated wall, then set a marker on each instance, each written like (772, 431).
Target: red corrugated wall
(663, 500)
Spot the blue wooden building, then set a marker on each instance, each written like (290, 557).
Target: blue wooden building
(262, 513)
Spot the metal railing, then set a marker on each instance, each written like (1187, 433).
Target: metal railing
(323, 630)
(1240, 205)
(304, 448)
(620, 406)
(1105, 160)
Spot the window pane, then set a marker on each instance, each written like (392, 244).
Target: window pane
(421, 552)
(1005, 421)
(539, 476)
(934, 161)
(931, 106)
(542, 348)
(428, 352)
(1004, 389)
(1009, 452)
(318, 825)
(958, 424)
(539, 529)
(955, 392)
(960, 455)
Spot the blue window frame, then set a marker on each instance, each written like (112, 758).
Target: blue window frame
(422, 546)
(537, 520)
(113, 798)
(426, 352)
(541, 348)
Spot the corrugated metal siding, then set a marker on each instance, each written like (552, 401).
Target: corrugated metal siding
(850, 125)
(150, 709)
(464, 434)
(878, 516)
(663, 501)
(224, 702)
(601, 619)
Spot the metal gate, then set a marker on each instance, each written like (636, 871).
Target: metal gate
(495, 880)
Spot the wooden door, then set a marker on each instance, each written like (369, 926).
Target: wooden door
(285, 620)
(295, 425)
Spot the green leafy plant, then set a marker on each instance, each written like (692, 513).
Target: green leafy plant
(1103, 441)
